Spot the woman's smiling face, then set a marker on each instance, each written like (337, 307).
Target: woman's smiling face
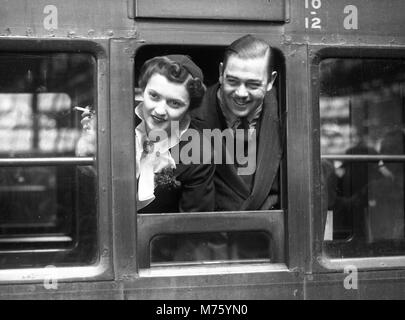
(164, 102)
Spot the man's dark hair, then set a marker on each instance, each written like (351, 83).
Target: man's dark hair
(249, 47)
(173, 72)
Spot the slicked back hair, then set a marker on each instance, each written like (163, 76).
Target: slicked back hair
(250, 47)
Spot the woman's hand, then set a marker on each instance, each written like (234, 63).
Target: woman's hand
(86, 145)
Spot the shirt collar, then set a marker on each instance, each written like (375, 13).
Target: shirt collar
(149, 163)
(233, 121)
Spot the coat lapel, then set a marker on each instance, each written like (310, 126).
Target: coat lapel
(268, 155)
(210, 116)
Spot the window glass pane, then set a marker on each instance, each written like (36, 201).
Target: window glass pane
(362, 118)
(223, 246)
(46, 205)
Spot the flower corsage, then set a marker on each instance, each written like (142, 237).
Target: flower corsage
(166, 179)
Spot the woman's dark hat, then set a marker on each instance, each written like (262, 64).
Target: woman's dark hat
(187, 64)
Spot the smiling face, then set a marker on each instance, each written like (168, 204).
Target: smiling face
(244, 83)
(164, 102)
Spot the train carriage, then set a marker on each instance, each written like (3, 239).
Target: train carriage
(69, 227)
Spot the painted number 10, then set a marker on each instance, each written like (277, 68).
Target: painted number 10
(313, 22)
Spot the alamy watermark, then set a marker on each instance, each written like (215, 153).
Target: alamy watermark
(351, 280)
(51, 278)
(213, 146)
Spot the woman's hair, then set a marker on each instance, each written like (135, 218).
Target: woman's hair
(174, 72)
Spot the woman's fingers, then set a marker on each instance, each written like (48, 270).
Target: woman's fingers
(86, 124)
(86, 113)
(85, 121)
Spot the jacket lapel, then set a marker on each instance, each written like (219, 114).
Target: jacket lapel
(268, 155)
(210, 116)
(206, 116)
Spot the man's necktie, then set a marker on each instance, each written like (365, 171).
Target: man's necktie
(243, 125)
(243, 128)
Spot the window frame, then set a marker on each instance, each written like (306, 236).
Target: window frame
(101, 267)
(322, 263)
(123, 58)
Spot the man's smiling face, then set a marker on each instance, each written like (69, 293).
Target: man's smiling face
(244, 83)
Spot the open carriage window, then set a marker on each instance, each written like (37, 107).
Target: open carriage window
(257, 184)
(234, 230)
(47, 200)
(362, 103)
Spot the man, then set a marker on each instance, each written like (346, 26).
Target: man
(244, 98)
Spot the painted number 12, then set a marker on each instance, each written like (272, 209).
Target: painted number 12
(313, 22)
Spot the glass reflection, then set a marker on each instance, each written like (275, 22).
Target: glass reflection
(42, 206)
(213, 246)
(362, 118)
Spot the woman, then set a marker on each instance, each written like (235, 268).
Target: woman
(171, 86)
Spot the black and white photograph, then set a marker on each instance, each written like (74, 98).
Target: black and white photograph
(202, 155)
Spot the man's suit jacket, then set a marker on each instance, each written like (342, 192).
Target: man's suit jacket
(231, 193)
